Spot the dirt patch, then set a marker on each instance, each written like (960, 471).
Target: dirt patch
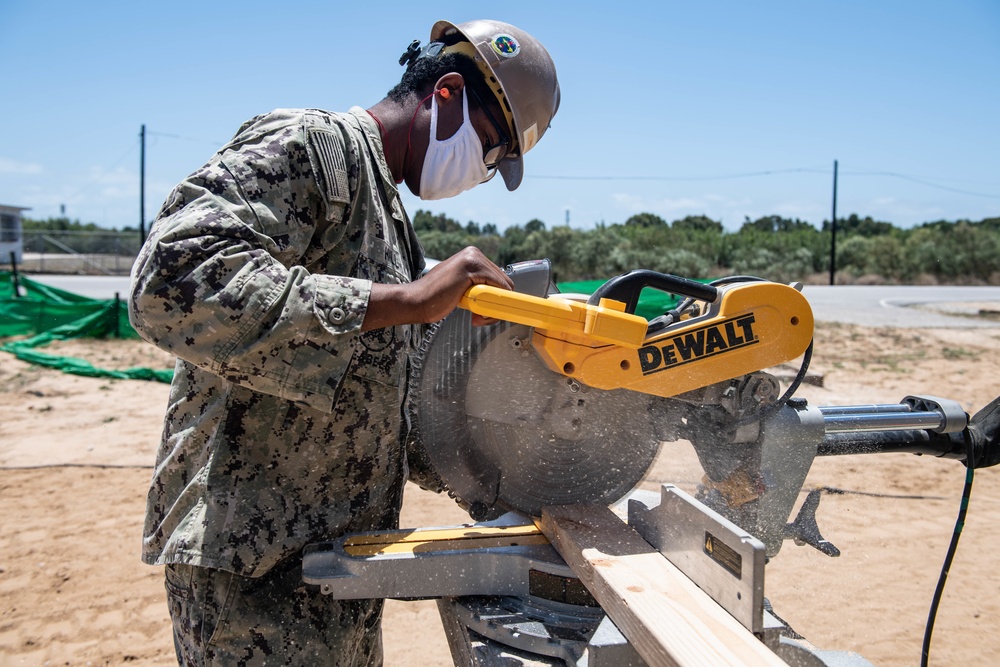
(75, 454)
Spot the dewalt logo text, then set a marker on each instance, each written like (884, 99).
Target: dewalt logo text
(689, 346)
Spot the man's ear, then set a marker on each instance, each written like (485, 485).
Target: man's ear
(447, 87)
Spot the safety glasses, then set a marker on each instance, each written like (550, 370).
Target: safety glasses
(495, 153)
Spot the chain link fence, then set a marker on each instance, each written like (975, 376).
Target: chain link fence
(79, 252)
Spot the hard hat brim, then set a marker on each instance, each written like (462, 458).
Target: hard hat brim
(512, 170)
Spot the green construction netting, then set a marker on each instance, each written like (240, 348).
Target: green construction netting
(45, 314)
(652, 302)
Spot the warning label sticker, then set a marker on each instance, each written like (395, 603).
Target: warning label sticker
(724, 555)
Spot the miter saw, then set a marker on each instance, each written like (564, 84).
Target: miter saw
(565, 400)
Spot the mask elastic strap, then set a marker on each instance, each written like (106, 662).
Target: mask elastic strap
(414, 118)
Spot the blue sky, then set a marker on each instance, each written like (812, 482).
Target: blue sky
(728, 109)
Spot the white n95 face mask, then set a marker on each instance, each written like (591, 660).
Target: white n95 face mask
(455, 164)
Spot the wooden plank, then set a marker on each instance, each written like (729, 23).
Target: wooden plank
(666, 617)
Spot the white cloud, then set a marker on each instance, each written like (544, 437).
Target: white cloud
(21, 168)
(114, 192)
(118, 176)
(797, 209)
(639, 204)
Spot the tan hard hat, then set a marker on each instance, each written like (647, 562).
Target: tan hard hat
(513, 62)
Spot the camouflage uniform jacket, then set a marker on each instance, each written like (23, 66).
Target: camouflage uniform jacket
(283, 424)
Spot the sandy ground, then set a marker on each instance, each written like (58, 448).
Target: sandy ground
(75, 457)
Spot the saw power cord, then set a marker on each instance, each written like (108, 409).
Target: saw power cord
(771, 409)
(834, 491)
(956, 534)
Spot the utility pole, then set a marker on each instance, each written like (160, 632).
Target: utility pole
(833, 228)
(142, 184)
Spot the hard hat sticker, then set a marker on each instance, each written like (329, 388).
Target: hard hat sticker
(505, 46)
(529, 137)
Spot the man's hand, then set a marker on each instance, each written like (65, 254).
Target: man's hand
(984, 428)
(436, 294)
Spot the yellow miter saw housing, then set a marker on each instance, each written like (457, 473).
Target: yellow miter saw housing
(742, 328)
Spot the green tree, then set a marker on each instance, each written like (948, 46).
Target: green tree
(60, 225)
(510, 249)
(534, 225)
(698, 223)
(772, 247)
(425, 221)
(776, 223)
(442, 245)
(772, 265)
(645, 220)
(590, 254)
(969, 250)
(853, 224)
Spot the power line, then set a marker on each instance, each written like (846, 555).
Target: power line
(771, 172)
(811, 170)
(914, 179)
(104, 171)
(100, 174)
(183, 138)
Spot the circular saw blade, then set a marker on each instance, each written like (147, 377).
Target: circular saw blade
(503, 432)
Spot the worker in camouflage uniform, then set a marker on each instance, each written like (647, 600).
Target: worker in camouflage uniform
(284, 276)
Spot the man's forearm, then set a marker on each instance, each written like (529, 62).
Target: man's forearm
(434, 295)
(391, 305)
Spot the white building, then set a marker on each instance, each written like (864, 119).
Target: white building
(11, 237)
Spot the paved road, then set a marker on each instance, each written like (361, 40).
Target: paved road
(904, 306)
(94, 287)
(897, 306)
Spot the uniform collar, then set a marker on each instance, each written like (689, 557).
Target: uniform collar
(374, 138)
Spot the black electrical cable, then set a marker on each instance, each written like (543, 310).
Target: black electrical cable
(768, 411)
(956, 534)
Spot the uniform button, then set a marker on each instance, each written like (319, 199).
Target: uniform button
(337, 314)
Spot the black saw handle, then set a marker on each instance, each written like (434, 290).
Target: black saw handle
(627, 287)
